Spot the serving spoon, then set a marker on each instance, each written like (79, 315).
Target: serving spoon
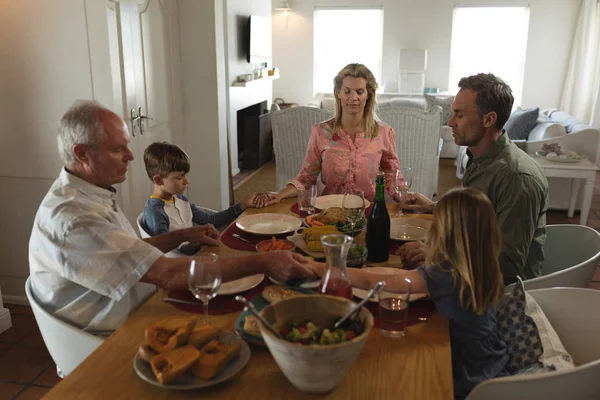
(376, 289)
(250, 307)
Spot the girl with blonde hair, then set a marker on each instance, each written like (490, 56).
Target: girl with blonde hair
(349, 149)
(462, 275)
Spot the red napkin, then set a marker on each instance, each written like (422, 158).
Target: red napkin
(217, 306)
(228, 240)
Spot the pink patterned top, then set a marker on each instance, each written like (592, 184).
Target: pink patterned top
(346, 165)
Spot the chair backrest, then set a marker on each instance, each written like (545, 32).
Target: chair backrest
(569, 310)
(67, 345)
(417, 142)
(291, 132)
(571, 254)
(140, 226)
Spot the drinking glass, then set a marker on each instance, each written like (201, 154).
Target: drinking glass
(402, 182)
(353, 205)
(205, 279)
(393, 308)
(306, 199)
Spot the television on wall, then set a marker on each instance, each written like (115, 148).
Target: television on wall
(259, 39)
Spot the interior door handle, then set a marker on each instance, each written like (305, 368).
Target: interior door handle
(141, 119)
(134, 119)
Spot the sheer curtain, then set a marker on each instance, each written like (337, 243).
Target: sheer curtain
(582, 85)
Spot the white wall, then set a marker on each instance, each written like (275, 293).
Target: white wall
(427, 24)
(237, 15)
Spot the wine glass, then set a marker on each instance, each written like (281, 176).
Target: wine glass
(353, 205)
(205, 279)
(402, 182)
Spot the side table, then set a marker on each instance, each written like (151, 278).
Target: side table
(584, 170)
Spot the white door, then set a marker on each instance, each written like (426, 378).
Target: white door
(147, 39)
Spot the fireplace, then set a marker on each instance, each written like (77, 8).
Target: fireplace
(254, 136)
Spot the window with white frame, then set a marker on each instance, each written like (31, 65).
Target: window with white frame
(478, 47)
(345, 35)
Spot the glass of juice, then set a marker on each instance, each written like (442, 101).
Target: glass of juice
(393, 308)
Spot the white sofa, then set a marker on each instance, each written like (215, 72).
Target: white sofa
(582, 139)
(405, 100)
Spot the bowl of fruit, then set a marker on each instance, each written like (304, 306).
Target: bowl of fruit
(313, 356)
(357, 256)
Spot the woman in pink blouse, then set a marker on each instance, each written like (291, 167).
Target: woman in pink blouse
(349, 149)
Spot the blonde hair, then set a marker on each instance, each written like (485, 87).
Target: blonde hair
(357, 71)
(465, 233)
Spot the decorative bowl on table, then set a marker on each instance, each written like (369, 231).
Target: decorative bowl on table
(275, 244)
(314, 368)
(357, 256)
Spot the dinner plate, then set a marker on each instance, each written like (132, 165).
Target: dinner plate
(301, 244)
(188, 381)
(361, 293)
(260, 303)
(333, 200)
(409, 229)
(571, 157)
(268, 223)
(241, 285)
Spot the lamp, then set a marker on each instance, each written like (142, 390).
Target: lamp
(284, 5)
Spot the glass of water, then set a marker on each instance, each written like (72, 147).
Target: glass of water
(205, 279)
(402, 182)
(353, 204)
(393, 309)
(306, 199)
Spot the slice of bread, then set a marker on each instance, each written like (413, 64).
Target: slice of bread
(174, 363)
(203, 334)
(213, 359)
(251, 326)
(275, 293)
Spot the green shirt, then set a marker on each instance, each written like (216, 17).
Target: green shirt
(518, 189)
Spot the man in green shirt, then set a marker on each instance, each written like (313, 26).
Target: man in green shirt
(512, 180)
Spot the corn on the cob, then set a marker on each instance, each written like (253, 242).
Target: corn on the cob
(315, 246)
(315, 233)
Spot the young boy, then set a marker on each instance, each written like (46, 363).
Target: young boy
(168, 209)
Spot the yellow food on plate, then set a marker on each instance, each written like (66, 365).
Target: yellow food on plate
(315, 246)
(331, 216)
(213, 358)
(203, 334)
(251, 326)
(169, 333)
(174, 363)
(275, 293)
(315, 233)
(146, 352)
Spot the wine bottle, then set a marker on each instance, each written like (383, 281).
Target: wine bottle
(378, 224)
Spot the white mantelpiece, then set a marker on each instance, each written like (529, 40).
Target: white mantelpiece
(5, 322)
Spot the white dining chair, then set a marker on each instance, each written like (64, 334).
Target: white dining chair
(291, 132)
(572, 313)
(571, 254)
(68, 346)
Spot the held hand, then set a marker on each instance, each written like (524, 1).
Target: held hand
(204, 234)
(412, 253)
(250, 201)
(283, 265)
(263, 199)
(416, 202)
(274, 199)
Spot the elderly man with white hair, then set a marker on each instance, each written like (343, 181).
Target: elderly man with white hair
(88, 267)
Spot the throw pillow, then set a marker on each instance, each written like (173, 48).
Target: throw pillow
(444, 102)
(546, 130)
(521, 122)
(531, 341)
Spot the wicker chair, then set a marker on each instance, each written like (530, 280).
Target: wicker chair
(291, 132)
(419, 142)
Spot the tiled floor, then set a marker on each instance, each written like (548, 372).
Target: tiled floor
(27, 371)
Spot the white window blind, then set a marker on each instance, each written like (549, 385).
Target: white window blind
(343, 36)
(489, 40)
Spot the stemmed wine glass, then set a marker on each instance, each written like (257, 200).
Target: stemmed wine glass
(205, 279)
(402, 182)
(353, 205)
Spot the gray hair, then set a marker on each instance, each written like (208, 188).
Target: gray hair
(81, 124)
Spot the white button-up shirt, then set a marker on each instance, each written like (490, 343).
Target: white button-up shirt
(85, 259)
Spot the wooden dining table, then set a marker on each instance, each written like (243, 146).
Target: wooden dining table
(417, 366)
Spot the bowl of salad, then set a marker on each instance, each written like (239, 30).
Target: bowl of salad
(313, 356)
(357, 256)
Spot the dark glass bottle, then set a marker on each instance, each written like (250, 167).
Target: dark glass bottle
(378, 224)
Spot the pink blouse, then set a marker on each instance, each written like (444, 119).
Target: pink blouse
(347, 165)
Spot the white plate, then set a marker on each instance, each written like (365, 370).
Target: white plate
(333, 200)
(572, 157)
(301, 244)
(361, 293)
(241, 285)
(409, 229)
(268, 224)
(188, 381)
